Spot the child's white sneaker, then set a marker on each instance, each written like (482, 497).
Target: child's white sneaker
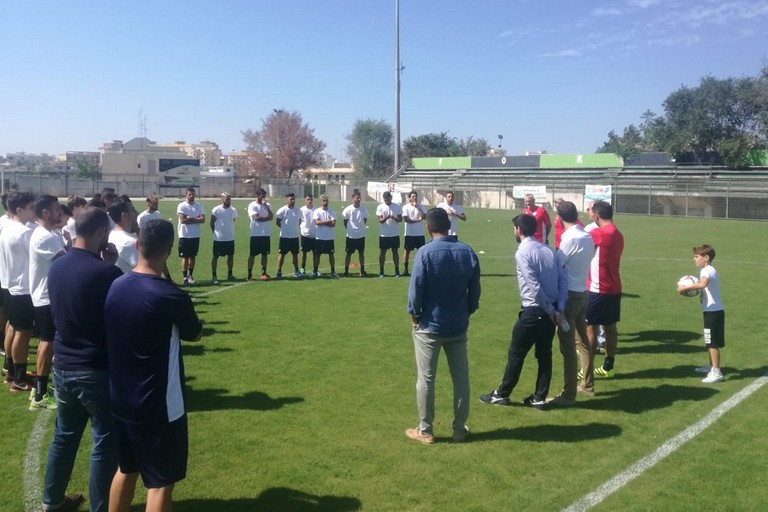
(715, 375)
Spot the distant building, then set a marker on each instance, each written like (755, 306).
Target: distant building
(339, 172)
(141, 156)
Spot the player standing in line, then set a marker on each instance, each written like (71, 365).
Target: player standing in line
(44, 247)
(308, 231)
(191, 214)
(288, 218)
(454, 211)
(712, 308)
(413, 217)
(600, 329)
(604, 285)
(389, 215)
(5, 218)
(543, 223)
(153, 202)
(14, 243)
(146, 316)
(223, 219)
(325, 220)
(260, 214)
(76, 204)
(124, 215)
(355, 221)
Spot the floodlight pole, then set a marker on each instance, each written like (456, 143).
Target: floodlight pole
(397, 85)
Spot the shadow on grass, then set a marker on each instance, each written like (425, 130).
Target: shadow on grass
(209, 331)
(658, 342)
(549, 433)
(273, 499)
(640, 400)
(746, 373)
(661, 336)
(198, 349)
(672, 372)
(217, 399)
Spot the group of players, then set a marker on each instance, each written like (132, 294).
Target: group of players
(306, 229)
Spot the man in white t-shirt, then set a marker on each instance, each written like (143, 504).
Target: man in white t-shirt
(454, 211)
(389, 215)
(191, 214)
(44, 247)
(124, 216)
(413, 217)
(260, 213)
(76, 204)
(153, 202)
(288, 218)
(355, 221)
(308, 231)
(5, 218)
(223, 219)
(14, 244)
(325, 220)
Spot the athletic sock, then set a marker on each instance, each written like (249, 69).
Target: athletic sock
(263, 270)
(41, 387)
(397, 269)
(20, 371)
(8, 365)
(608, 364)
(346, 269)
(381, 270)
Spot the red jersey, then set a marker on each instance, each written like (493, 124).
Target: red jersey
(604, 270)
(542, 220)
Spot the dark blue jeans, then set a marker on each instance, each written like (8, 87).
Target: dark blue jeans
(533, 328)
(81, 396)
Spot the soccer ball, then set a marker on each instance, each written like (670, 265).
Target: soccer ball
(688, 281)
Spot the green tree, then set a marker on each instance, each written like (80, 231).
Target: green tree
(371, 147)
(282, 146)
(87, 170)
(474, 147)
(440, 144)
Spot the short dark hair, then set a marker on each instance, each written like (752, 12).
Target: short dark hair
(567, 211)
(66, 210)
(705, 250)
(18, 200)
(90, 220)
(96, 202)
(106, 190)
(44, 202)
(290, 194)
(118, 208)
(603, 209)
(156, 238)
(191, 189)
(5, 202)
(74, 201)
(108, 197)
(387, 195)
(438, 221)
(526, 223)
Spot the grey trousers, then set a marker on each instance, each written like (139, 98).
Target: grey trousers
(427, 346)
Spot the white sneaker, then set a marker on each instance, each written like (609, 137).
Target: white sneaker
(704, 369)
(190, 280)
(715, 375)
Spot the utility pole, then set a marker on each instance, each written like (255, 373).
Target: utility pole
(398, 70)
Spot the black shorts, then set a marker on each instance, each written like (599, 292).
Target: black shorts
(188, 247)
(324, 246)
(389, 242)
(260, 245)
(413, 242)
(157, 452)
(288, 245)
(714, 329)
(307, 244)
(224, 248)
(44, 323)
(21, 314)
(5, 301)
(355, 244)
(604, 308)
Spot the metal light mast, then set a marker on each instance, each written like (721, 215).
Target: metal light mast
(398, 69)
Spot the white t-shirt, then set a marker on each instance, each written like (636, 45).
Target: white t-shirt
(710, 296)
(224, 227)
(355, 218)
(14, 242)
(44, 245)
(389, 227)
(127, 252)
(259, 228)
(324, 232)
(145, 217)
(289, 221)
(190, 210)
(414, 213)
(70, 229)
(577, 248)
(589, 227)
(308, 227)
(454, 231)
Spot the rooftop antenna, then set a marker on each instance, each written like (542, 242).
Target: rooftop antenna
(143, 126)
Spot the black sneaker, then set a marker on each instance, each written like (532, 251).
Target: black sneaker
(494, 398)
(530, 401)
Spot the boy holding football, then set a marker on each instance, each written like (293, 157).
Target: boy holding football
(712, 306)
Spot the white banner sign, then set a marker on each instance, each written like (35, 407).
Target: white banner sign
(539, 192)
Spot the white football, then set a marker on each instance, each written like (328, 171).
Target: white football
(688, 281)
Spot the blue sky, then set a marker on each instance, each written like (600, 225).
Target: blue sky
(553, 75)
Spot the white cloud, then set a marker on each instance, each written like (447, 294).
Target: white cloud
(600, 12)
(643, 4)
(505, 34)
(570, 52)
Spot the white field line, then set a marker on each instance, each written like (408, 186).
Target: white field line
(33, 492)
(219, 290)
(596, 496)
